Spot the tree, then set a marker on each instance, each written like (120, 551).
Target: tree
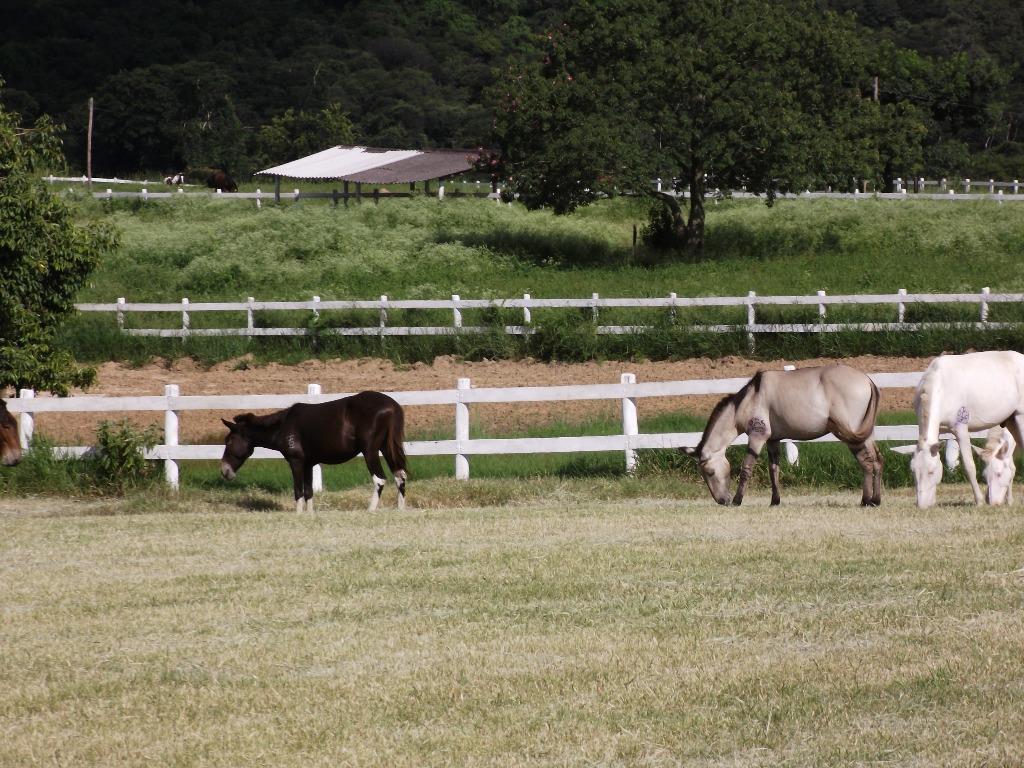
(730, 93)
(296, 134)
(45, 258)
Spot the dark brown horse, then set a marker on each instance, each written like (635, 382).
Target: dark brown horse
(221, 180)
(10, 447)
(324, 433)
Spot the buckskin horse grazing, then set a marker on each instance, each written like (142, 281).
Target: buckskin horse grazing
(324, 433)
(796, 405)
(964, 393)
(10, 447)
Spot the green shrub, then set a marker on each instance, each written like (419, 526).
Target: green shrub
(118, 463)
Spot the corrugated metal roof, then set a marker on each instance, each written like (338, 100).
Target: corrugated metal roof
(376, 166)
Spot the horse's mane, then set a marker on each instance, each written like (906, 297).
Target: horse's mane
(725, 402)
(261, 422)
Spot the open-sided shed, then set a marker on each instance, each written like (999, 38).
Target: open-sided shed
(369, 165)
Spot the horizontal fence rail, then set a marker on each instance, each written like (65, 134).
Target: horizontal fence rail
(456, 305)
(628, 391)
(903, 189)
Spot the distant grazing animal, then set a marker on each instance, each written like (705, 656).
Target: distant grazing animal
(177, 178)
(796, 405)
(10, 447)
(221, 180)
(324, 433)
(965, 393)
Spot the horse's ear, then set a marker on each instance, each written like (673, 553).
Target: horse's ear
(688, 450)
(244, 417)
(229, 424)
(1006, 444)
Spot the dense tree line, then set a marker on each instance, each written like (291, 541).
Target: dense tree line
(242, 84)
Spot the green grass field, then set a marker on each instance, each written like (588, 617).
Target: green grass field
(568, 631)
(422, 248)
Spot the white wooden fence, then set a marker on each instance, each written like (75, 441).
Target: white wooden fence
(456, 305)
(628, 392)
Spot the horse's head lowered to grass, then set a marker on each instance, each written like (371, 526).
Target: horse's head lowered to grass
(10, 447)
(238, 445)
(999, 465)
(716, 471)
(926, 467)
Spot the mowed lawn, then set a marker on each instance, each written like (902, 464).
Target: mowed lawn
(651, 632)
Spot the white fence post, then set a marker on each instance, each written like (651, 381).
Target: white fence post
(788, 446)
(250, 320)
(258, 196)
(672, 308)
(316, 311)
(318, 472)
(527, 316)
(967, 186)
(630, 425)
(901, 308)
(461, 432)
(184, 315)
(1016, 186)
(456, 312)
(991, 186)
(120, 313)
(382, 320)
(27, 422)
(171, 436)
(984, 305)
(593, 309)
(821, 307)
(751, 319)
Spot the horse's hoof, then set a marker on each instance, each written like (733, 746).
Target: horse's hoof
(775, 502)
(737, 502)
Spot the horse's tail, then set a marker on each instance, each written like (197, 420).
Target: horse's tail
(867, 424)
(394, 447)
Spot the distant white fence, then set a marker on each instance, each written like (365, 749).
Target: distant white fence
(627, 392)
(456, 305)
(960, 190)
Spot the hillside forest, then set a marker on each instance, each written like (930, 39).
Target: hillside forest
(244, 85)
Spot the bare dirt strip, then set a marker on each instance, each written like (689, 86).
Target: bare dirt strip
(244, 377)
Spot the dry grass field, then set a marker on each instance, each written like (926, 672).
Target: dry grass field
(205, 631)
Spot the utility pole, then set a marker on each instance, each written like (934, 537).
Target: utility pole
(88, 148)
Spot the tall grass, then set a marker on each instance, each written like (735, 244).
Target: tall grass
(423, 248)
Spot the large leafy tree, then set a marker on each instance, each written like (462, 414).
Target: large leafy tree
(45, 257)
(762, 94)
(296, 134)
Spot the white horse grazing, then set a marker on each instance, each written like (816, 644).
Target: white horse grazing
(962, 393)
